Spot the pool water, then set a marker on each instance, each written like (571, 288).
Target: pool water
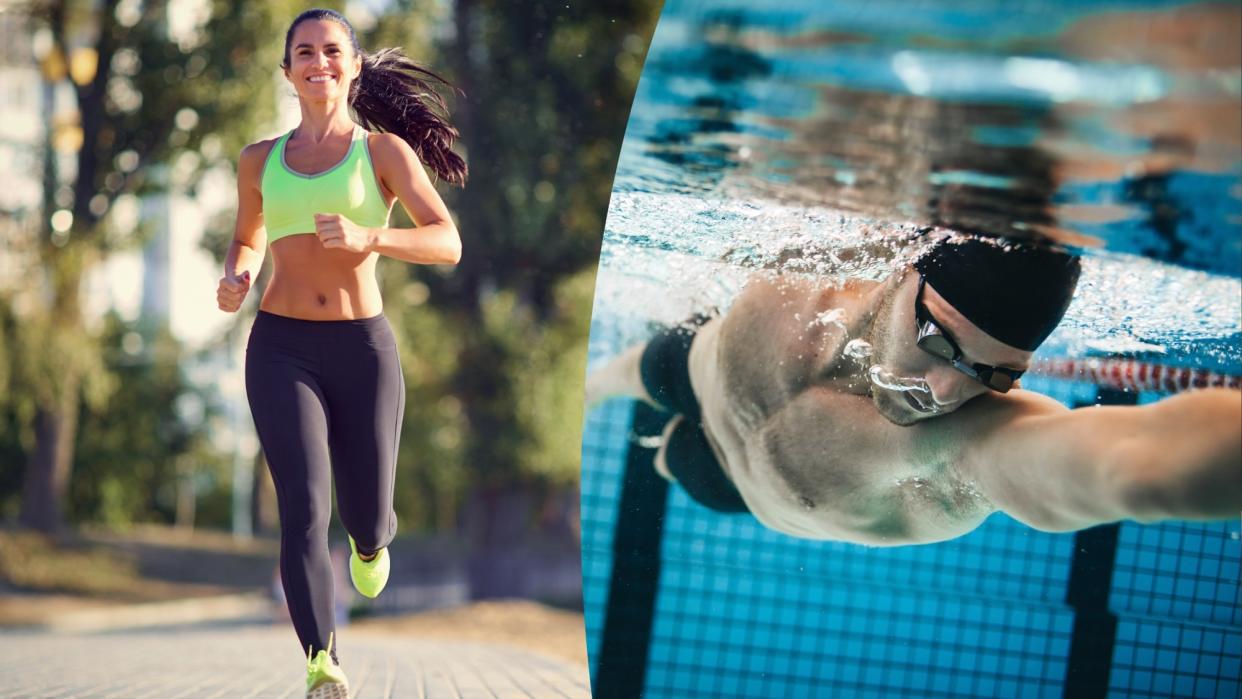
(769, 138)
(766, 136)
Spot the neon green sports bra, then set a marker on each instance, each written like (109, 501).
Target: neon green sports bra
(350, 188)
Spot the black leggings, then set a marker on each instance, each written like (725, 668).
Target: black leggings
(327, 399)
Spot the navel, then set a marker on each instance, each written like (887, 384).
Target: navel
(323, 300)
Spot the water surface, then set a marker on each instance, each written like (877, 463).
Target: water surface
(773, 139)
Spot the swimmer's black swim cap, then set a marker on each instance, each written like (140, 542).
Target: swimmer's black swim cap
(1015, 292)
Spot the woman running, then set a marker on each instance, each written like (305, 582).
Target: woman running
(322, 373)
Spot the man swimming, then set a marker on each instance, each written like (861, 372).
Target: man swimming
(889, 413)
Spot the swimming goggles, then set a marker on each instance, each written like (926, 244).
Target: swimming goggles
(936, 342)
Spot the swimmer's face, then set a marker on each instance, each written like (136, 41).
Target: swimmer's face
(322, 62)
(894, 337)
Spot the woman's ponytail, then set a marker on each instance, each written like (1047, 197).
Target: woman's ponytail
(396, 95)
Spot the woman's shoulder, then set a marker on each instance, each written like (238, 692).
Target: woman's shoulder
(252, 159)
(386, 146)
(257, 151)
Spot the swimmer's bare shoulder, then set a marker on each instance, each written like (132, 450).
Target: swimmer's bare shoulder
(753, 343)
(785, 334)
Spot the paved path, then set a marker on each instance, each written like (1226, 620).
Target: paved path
(257, 663)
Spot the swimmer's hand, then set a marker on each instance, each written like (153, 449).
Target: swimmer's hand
(337, 232)
(232, 291)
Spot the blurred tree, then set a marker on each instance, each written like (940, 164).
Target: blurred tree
(134, 469)
(155, 98)
(548, 88)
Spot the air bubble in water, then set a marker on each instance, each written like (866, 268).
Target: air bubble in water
(886, 379)
(832, 316)
(858, 349)
(968, 489)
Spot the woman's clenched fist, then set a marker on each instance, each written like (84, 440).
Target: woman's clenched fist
(337, 232)
(232, 291)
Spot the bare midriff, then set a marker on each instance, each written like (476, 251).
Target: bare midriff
(313, 283)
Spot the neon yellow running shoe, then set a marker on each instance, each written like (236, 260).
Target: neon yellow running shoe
(324, 678)
(371, 576)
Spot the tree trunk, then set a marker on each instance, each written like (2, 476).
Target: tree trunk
(463, 112)
(49, 467)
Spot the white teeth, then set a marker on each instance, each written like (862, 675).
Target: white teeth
(320, 78)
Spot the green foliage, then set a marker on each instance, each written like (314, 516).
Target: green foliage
(549, 385)
(408, 24)
(163, 107)
(13, 431)
(41, 346)
(134, 449)
(130, 438)
(432, 471)
(548, 89)
(157, 109)
(543, 362)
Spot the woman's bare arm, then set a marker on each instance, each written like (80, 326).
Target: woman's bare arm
(249, 236)
(245, 254)
(435, 240)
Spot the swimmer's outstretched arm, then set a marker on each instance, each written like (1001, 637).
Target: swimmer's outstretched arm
(1061, 470)
(620, 376)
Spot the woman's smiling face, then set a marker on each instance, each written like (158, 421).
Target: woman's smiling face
(322, 61)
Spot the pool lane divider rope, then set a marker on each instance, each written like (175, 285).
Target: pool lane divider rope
(1094, 632)
(1134, 375)
(625, 643)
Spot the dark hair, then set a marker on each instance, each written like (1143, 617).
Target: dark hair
(396, 95)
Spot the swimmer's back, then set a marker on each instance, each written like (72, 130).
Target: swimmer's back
(783, 335)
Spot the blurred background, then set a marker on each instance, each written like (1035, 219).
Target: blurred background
(129, 469)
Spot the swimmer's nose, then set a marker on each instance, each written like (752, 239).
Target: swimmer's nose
(950, 388)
